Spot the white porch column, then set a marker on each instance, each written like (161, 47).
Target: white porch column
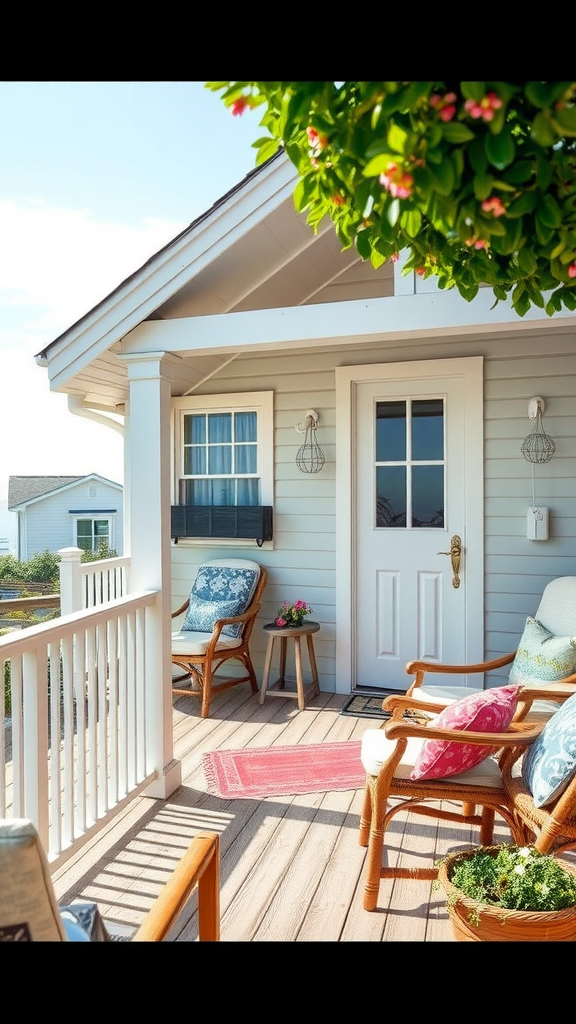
(148, 464)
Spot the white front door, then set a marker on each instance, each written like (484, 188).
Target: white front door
(416, 518)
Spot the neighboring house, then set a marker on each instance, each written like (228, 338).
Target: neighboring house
(56, 512)
(220, 348)
(7, 530)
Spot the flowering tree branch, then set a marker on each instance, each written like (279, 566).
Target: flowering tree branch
(477, 180)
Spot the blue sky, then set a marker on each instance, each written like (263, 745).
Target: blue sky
(95, 177)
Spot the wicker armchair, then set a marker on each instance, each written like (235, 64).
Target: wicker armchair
(389, 755)
(29, 911)
(220, 616)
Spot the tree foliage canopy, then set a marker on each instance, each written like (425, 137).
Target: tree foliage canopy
(476, 180)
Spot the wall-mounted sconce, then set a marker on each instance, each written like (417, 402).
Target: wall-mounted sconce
(537, 448)
(309, 457)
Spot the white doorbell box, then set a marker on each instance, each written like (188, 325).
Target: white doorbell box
(537, 523)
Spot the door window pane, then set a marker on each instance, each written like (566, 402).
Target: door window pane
(390, 431)
(428, 429)
(391, 496)
(428, 496)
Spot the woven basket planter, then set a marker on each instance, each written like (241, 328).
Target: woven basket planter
(473, 921)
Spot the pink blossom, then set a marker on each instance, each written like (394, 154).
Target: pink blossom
(478, 243)
(446, 106)
(485, 108)
(397, 182)
(395, 257)
(317, 142)
(239, 106)
(338, 200)
(572, 270)
(494, 205)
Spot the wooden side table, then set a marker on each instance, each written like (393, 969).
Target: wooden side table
(294, 633)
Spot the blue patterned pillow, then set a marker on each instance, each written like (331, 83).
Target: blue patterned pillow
(550, 762)
(219, 592)
(542, 657)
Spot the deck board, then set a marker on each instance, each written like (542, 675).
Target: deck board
(291, 867)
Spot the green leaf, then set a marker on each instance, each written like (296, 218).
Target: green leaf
(376, 259)
(411, 221)
(525, 204)
(482, 186)
(442, 175)
(397, 138)
(363, 244)
(500, 149)
(473, 90)
(519, 172)
(543, 94)
(549, 213)
(477, 156)
(456, 131)
(393, 212)
(565, 120)
(378, 165)
(527, 261)
(542, 131)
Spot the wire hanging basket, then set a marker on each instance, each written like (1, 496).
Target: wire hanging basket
(309, 457)
(537, 447)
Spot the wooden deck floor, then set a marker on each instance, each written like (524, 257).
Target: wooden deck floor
(291, 867)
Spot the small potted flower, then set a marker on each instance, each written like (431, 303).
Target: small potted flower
(292, 615)
(509, 893)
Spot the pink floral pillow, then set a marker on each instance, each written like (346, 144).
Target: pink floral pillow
(488, 711)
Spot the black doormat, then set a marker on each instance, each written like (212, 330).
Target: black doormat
(371, 707)
(365, 707)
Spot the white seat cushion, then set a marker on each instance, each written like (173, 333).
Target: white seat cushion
(376, 749)
(188, 642)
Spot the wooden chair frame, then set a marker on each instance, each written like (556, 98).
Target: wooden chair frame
(27, 896)
(203, 667)
(424, 796)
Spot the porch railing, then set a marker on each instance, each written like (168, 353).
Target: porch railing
(73, 725)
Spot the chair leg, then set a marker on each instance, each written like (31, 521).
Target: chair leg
(372, 836)
(487, 826)
(206, 691)
(365, 817)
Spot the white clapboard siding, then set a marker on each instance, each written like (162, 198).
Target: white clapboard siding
(303, 565)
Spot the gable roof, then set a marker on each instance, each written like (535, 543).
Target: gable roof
(22, 489)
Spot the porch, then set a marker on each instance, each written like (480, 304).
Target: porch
(291, 866)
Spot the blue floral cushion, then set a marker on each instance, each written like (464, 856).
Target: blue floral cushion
(219, 592)
(542, 657)
(550, 762)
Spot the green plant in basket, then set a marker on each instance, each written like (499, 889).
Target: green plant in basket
(515, 878)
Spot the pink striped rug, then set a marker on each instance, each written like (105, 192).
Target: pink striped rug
(284, 771)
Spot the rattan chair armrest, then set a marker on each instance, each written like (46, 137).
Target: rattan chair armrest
(517, 734)
(417, 667)
(398, 703)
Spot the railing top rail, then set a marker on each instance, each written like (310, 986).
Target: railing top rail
(103, 564)
(20, 640)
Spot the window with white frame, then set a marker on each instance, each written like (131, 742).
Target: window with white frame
(92, 531)
(223, 451)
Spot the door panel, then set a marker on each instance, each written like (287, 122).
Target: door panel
(418, 472)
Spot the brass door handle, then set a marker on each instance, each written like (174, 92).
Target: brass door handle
(456, 557)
